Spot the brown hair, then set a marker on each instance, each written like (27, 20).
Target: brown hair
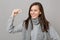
(42, 20)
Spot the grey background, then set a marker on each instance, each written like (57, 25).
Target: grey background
(51, 9)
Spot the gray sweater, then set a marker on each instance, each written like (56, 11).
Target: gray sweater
(35, 34)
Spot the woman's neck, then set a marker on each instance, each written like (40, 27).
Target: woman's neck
(35, 21)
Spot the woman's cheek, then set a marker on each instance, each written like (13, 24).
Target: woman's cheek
(36, 13)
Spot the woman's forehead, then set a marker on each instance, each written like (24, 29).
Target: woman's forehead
(35, 7)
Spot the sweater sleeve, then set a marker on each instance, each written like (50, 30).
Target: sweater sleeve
(53, 33)
(13, 29)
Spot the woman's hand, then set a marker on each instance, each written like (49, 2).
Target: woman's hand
(15, 12)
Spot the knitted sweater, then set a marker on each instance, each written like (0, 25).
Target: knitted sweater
(35, 34)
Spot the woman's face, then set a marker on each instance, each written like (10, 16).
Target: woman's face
(35, 12)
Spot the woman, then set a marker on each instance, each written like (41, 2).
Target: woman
(35, 27)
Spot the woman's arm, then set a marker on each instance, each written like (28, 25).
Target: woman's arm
(13, 29)
(54, 35)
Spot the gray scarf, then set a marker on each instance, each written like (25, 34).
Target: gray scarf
(27, 33)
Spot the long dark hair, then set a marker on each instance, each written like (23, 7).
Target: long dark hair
(42, 20)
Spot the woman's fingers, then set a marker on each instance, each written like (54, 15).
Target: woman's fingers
(16, 11)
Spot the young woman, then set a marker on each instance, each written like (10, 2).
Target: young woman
(35, 27)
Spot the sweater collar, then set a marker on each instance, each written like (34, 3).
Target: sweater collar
(35, 21)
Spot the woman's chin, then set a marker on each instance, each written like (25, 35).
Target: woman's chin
(34, 17)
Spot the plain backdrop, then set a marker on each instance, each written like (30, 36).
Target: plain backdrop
(51, 9)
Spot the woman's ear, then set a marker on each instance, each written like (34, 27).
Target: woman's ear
(40, 12)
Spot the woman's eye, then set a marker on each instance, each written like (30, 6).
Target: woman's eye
(35, 10)
(30, 10)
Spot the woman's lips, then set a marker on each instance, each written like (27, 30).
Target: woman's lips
(33, 15)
